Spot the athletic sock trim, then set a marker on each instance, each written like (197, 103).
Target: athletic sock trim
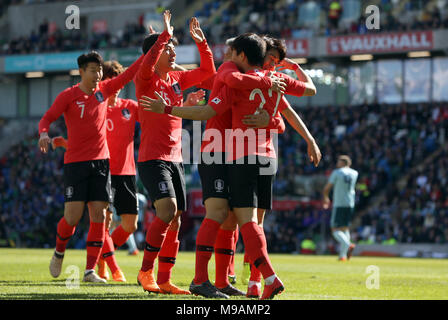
(107, 254)
(94, 244)
(259, 261)
(204, 248)
(167, 259)
(58, 255)
(150, 248)
(229, 252)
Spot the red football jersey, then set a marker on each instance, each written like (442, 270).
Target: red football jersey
(229, 75)
(161, 133)
(120, 124)
(246, 141)
(85, 117)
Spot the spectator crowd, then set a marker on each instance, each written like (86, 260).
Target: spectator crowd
(398, 150)
(223, 19)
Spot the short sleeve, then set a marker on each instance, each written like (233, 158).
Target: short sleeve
(333, 178)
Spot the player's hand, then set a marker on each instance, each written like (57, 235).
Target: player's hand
(44, 141)
(151, 29)
(314, 153)
(326, 203)
(278, 84)
(153, 105)
(196, 31)
(193, 98)
(167, 21)
(287, 64)
(258, 120)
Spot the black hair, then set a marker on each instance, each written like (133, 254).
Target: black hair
(253, 46)
(276, 44)
(92, 56)
(149, 41)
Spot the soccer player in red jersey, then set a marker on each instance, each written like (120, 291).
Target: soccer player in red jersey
(276, 56)
(253, 159)
(86, 161)
(160, 158)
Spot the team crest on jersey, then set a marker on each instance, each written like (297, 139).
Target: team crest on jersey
(99, 96)
(219, 185)
(176, 88)
(126, 114)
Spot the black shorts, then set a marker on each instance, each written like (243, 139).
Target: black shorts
(341, 217)
(214, 178)
(164, 179)
(251, 184)
(87, 181)
(124, 195)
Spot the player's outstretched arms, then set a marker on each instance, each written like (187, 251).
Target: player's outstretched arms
(160, 106)
(44, 141)
(147, 69)
(296, 122)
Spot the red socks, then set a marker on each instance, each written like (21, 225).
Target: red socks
(95, 240)
(205, 239)
(256, 248)
(120, 236)
(223, 256)
(255, 274)
(107, 253)
(167, 256)
(236, 234)
(63, 235)
(154, 238)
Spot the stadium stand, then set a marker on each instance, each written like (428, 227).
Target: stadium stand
(222, 19)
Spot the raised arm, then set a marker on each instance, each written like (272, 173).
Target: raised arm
(207, 67)
(110, 86)
(152, 56)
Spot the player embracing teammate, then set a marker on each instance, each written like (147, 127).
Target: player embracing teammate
(249, 173)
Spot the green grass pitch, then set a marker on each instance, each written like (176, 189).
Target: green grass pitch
(24, 275)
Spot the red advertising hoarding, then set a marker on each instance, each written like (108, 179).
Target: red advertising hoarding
(380, 43)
